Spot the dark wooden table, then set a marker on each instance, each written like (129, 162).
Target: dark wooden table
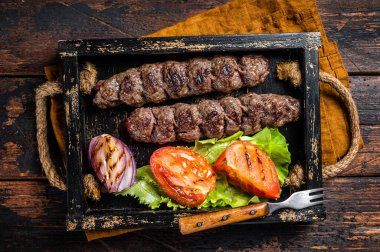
(32, 213)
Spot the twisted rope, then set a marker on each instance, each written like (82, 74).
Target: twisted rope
(353, 117)
(49, 88)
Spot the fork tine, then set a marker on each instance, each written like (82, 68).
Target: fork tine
(315, 190)
(322, 202)
(315, 203)
(352, 184)
(328, 194)
(333, 187)
(319, 189)
(317, 196)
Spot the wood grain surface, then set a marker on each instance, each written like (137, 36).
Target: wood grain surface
(32, 213)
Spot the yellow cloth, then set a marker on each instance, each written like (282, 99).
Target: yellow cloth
(263, 16)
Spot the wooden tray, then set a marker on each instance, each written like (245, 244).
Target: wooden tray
(84, 121)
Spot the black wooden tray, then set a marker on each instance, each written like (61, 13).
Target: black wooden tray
(84, 121)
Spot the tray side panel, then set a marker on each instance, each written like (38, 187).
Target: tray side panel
(191, 44)
(73, 126)
(313, 162)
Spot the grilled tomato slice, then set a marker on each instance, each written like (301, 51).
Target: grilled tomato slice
(183, 174)
(250, 169)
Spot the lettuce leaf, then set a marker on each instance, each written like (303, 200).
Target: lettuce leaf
(212, 148)
(271, 141)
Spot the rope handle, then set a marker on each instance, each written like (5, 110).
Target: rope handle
(43, 92)
(295, 178)
(353, 118)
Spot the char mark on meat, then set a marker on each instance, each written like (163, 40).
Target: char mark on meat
(226, 74)
(131, 89)
(279, 110)
(200, 74)
(253, 111)
(140, 124)
(175, 79)
(153, 82)
(108, 93)
(163, 131)
(233, 114)
(187, 120)
(253, 69)
(212, 118)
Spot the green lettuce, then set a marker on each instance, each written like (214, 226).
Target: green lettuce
(271, 141)
(212, 148)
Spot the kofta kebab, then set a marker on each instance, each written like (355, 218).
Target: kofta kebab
(158, 82)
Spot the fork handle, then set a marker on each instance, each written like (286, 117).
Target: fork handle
(199, 222)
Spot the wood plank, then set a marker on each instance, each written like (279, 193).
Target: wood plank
(29, 31)
(35, 220)
(18, 147)
(366, 93)
(345, 7)
(367, 161)
(355, 26)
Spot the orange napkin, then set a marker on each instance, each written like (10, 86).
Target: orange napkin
(261, 16)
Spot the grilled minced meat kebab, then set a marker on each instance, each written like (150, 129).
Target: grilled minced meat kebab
(211, 118)
(157, 82)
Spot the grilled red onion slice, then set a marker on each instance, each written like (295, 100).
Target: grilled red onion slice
(112, 162)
